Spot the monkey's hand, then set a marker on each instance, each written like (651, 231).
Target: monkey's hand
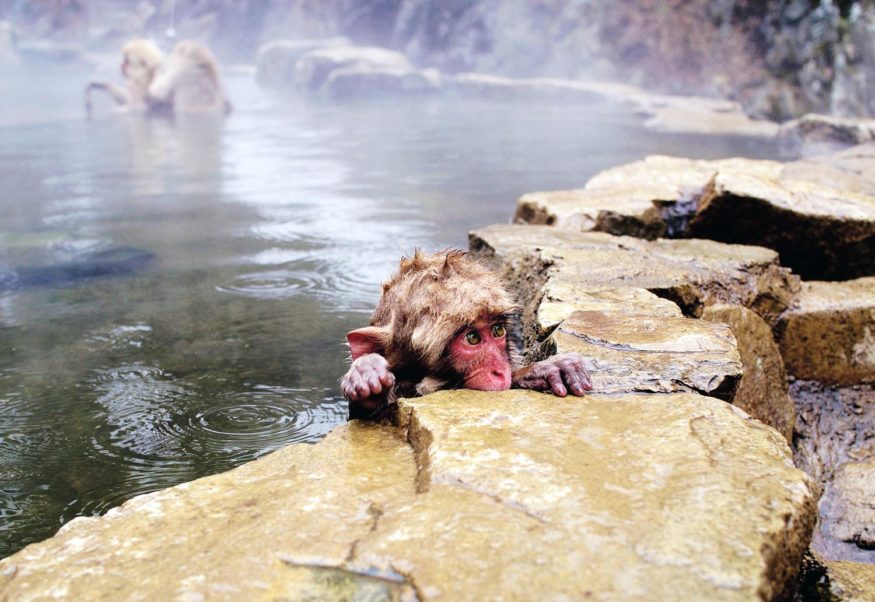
(559, 374)
(368, 382)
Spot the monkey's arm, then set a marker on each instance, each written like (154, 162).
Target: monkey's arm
(367, 384)
(559, 374)
(117, 93)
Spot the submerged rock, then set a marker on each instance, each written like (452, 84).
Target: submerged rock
(819, 215)
(829, 334)
(370, 82)
(496, 495)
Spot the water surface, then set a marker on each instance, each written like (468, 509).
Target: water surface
(268, 233)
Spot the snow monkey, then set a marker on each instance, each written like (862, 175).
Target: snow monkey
(189, 81)
(444, 321)
(140, 60)
(186, 81)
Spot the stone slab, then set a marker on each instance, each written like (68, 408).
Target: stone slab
(829, 333)
(513, 496)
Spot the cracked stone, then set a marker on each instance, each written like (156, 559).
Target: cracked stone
(477, 495)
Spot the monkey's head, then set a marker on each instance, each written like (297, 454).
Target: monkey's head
(140, 59)
(442, 321)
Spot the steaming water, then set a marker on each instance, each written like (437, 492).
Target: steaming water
(270, 231)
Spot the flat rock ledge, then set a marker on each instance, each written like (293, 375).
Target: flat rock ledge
(476, 496)
(626, 305)
(819, 214)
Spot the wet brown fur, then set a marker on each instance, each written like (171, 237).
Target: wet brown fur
(425, 304)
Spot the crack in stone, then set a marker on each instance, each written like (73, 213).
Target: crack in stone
(376, 513)
(624, 346)
(515, 506)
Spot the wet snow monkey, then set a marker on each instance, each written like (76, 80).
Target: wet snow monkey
(444, 321)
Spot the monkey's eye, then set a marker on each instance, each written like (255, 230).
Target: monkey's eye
(473, 338)
(498, 331)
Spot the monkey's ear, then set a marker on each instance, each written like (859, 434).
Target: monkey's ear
(370, 339)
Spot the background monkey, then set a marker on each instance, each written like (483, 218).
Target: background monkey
(189, 82)
(140, 60)
(444, 321)
(186, 81)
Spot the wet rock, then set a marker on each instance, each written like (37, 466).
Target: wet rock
(276, 61)
(762, 392)
(829, 334)
(368, 82)
(314, 67)
(517, 494)
(847, 512)
(823, 227)
(815, 133)
(834, 443)
(691, 273)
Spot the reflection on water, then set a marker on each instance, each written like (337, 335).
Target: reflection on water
(269, 234)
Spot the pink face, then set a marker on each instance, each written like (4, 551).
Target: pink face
(479, 353)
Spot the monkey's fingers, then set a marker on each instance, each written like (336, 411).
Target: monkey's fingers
(554, 377)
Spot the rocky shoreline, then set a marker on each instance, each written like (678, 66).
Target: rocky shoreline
(674, 480)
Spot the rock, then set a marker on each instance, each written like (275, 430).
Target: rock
(851, 581)
(518, 495)
(833, 444)
(314, 67)
(822, 227)
(275, 61)
(762, 392)
(829, 334)
(833, 426)
(835, 581)
(645, 352)
(368, 82)
(821, 231)
(847, 511)
(691, 273)
(813, 133)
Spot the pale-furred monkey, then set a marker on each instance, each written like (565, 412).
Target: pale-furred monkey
(185, 81)
(140, 60)
(189, 82)
(445, 321)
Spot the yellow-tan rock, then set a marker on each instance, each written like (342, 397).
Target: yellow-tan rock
(511, 496)
(829, 334)
(851, 581)
(762, 392)
(819, 214)
(691, 273)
